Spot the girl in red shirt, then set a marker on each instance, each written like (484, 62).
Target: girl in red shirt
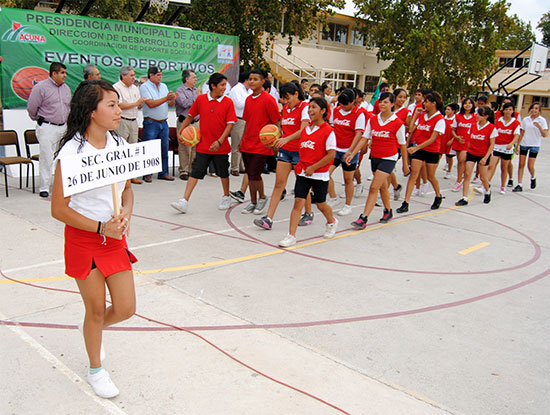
(447, 139)
(317, 151)
(482, 142)
(461, 134)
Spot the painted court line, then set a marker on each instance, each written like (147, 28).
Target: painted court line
(474, 248)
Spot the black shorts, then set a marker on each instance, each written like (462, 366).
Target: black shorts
(503, 156)
(254, 165)
(339, 160)
(304, 184)
(199, 167)
(476, 159)
(426, 156)
(384, 165)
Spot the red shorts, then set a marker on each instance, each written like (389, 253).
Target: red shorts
(83, 247)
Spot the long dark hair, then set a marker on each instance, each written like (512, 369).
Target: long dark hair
(85, 99)
(322, 103)
(290, 88)
(435, 97)
(487, 111)
(463, 110)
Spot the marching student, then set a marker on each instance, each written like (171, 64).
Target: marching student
(403, 113)
(447, 139)
(96, 253)
(533, 128)
(260, 109)
(509, 130)
(359, 100)
(428, 127)
(295, 118)
(217, 117)
(482, 142)
(387, 134)
(422, 181)
(317, 150)
(349, 125)
(517, 116)
(461, 138)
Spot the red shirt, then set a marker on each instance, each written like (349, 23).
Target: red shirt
(498, 114)
(346, 125)
(384, 137)
(313, 147)
(291, 122)
(215, 115)
(425, 128)
(402, 113)
(506, 132)
(444, 138)
(376, 107)
(463, 128)
(258, 112)
(480, 139)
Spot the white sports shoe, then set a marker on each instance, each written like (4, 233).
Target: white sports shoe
(330, 229)
(346, 210)
(101, 350)
(225, 203)
(358, 190)
(180, 204)
(475, 180)
(102, 384)
(260, 206)
(447, 175)
(502, 191)
(416, 192)
(424, 189)
(249, 208)
(479, 189)
(333, 202)
(287, 241)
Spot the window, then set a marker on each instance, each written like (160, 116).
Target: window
(357, 38)
(520, 62)
(371, 82)
(503, 61)
(335, 33)
(543, 101)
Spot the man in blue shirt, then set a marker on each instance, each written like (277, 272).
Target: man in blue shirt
(155, 115)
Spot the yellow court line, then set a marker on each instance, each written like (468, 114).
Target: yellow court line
(474, 248)
(37, 279)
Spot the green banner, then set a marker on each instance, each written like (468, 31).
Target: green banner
(30, 41)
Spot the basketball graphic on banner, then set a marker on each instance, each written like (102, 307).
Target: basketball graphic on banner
(25, 78)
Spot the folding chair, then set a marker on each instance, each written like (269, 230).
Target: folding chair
(30, 139)
(9, 138)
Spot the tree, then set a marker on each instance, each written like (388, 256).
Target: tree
(520, 37)
(446, 45)
(544, 26)
(256, 22)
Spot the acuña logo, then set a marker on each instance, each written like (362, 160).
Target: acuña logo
(17, 34)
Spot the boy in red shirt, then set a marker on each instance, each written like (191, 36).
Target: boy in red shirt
(217, 116)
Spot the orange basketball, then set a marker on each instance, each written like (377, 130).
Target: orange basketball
(25, 78)
(190, 136)
(268, 135)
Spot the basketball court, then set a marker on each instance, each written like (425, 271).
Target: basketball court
(436, 312)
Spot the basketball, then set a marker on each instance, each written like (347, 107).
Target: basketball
(25, 78)
(190, 136)
(268, 135)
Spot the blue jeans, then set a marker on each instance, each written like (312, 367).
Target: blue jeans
(153, 130)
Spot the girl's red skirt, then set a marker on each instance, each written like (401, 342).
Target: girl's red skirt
(82, 248)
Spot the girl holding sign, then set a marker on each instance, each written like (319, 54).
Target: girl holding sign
(96, 252)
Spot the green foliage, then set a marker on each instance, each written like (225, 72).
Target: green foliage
(544, 26)
(446, 45)
(520, 37)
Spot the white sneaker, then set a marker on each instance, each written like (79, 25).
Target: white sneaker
(502, 191)
(260, 206)
(424, 189)
(447, 175)
(333, 202)
(416, 192)
(370, 178)
(379, 202)
(479, 189)
(330, 229)
(346, 210)
(475, 180)
(101, 350)
(180, 204)
(287, 241)
(358, 190)
(102, 384)
(249, 208)
(225, 203)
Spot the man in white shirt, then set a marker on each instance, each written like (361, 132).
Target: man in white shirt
(238, 94)
(130, 102)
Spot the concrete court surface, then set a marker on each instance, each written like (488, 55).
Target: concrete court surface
(437, 312)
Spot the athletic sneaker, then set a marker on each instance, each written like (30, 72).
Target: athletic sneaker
(424, 189)
(404, 208)
(333, 202)
(287, 241)
(447, 175)
(306, 219)
(101, 349)
(388, 214)
(457, 186)
(397, 192)
(102, 384)
(461, 202)
(379, 202)
(249, 208)
(260, 206)
(510, 183)
(283, 195)
(518, 188)
(360, 223)
(180, 204)
(330, 229)
(436, 203)
(479, 189)
(238, 196)
(487, 198)
(358, 190)
(225, 203)
(475, 180)
(416, 192)
(346, 210)
(264, 223)
(502, 191)
(370, 178)
(533, 183)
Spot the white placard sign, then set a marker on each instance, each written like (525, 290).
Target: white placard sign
(85, 171)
